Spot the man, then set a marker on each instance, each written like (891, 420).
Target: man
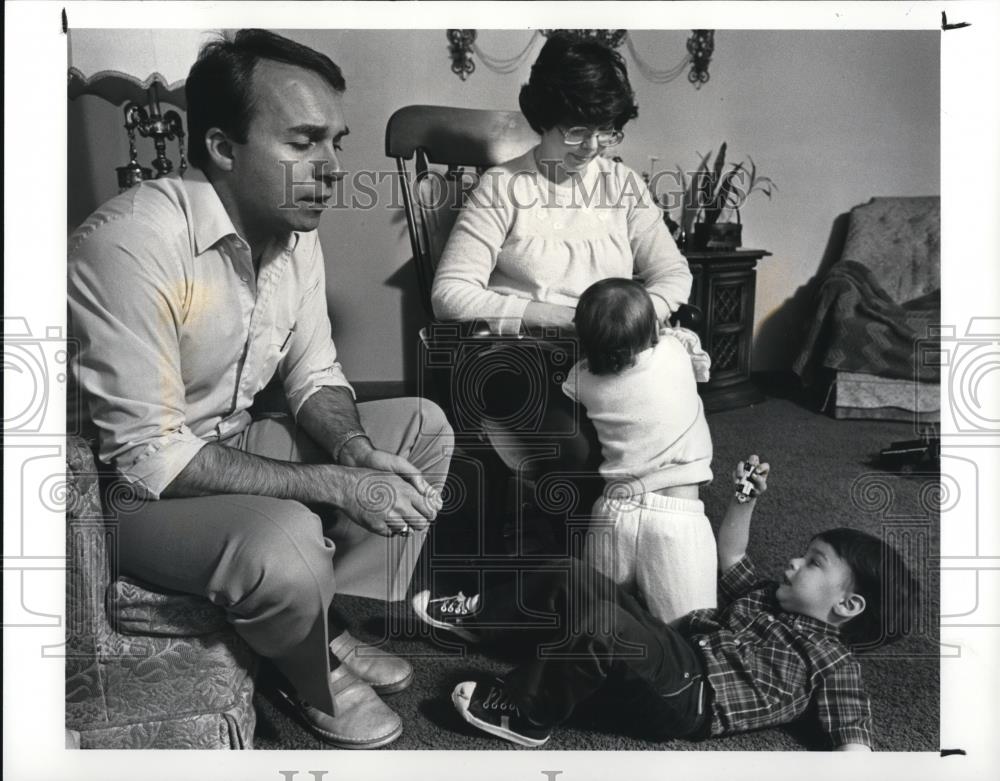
(187, 296)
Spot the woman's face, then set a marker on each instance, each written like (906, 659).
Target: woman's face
(557, 159)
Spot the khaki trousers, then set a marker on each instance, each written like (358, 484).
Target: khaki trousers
(269, 562)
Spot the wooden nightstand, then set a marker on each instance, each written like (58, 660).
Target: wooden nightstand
(723, 288)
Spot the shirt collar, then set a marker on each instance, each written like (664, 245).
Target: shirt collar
(802, 621)
(212, 222)
(210, 218)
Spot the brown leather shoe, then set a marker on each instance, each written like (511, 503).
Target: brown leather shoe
(361, 719)
(385, 672)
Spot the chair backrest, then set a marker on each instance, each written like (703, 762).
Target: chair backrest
(463, 142)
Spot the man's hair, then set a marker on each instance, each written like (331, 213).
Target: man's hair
(615, 321)
(219, 88)
(577, 83)
(881, 576)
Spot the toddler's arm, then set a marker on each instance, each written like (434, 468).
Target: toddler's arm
(735, 530)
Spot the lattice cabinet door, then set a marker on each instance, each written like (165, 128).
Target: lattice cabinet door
(724, 289)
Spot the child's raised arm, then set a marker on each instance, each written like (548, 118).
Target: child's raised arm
(735, 530)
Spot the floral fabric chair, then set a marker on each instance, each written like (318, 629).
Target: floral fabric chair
(143, 669)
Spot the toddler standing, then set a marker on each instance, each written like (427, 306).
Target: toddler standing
(638, 384)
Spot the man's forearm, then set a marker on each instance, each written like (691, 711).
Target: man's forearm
(734, 534)
(328, 416)
(217, 469)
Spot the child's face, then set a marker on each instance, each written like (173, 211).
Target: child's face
(816, 584)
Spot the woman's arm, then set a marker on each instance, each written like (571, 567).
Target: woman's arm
(461, 282)
(657, 261)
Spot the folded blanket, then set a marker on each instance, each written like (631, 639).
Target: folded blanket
(858, 327)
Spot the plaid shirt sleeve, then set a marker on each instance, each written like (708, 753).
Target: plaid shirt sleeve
(737, 580)
(843, 707)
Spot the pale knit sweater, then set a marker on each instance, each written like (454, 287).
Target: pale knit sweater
(521, 238)
(649, 418)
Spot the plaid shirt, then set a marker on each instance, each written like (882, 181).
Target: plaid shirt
(766, 666)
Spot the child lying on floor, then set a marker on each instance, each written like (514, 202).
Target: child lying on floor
(768, 654)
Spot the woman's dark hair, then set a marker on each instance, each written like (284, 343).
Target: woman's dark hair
(219, 88)
(577, 83)
(880, 575)
(615, 321)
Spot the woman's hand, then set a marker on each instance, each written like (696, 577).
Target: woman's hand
(541, 315)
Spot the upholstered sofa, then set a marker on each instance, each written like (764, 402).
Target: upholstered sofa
(144, 669)
(872, 341)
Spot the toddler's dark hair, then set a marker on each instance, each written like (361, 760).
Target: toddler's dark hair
(577, 83)
(615, 321)
(881, 576)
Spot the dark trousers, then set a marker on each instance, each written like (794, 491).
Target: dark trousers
(578, 634)
(539, 433)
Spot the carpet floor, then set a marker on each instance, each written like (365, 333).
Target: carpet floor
(823, 476)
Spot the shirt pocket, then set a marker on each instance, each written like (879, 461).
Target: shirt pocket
(278, 345)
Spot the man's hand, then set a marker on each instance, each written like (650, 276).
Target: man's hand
(415, 491)
(384, 503)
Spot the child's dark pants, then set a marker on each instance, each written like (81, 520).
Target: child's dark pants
(579, 633)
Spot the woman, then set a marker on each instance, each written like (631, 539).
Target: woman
(539, 230)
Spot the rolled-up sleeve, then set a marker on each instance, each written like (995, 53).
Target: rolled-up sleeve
(658, 263)
(125, 316)
(311, 361)
(737, 580)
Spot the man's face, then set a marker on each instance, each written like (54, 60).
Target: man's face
(814, 584)
(285, 172)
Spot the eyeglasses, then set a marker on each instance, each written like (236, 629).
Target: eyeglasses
(575, 136)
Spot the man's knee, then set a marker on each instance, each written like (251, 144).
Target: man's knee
(434, 423)
(280, 561)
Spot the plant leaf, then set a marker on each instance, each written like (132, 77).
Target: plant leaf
(720, 162)
(727, 196)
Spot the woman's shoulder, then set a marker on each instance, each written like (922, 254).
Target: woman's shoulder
(498, 183)
(524, 163)
(621, 179)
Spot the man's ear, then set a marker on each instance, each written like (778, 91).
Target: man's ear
(850, 606)
(220, 149)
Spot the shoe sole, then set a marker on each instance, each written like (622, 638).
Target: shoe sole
(421, 601)
(335, 740)
(384, 689)
(462, 706)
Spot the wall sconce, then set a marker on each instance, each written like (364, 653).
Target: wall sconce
(700, 46)
(102, 63)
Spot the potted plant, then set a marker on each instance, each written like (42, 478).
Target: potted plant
(713, 192)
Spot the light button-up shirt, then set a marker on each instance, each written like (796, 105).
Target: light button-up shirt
(176, 332)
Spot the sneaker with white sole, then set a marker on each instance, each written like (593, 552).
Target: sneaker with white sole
(486, 705)
(450, 613)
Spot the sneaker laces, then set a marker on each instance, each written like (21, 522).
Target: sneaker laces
(459, 605)
(498, 699)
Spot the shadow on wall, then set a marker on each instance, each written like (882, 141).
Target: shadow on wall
(794, 314)
(82, 195)
(412, 319)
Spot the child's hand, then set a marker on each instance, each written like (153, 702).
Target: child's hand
(750, 478)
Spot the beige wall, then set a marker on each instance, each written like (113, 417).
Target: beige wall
(833, 117)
